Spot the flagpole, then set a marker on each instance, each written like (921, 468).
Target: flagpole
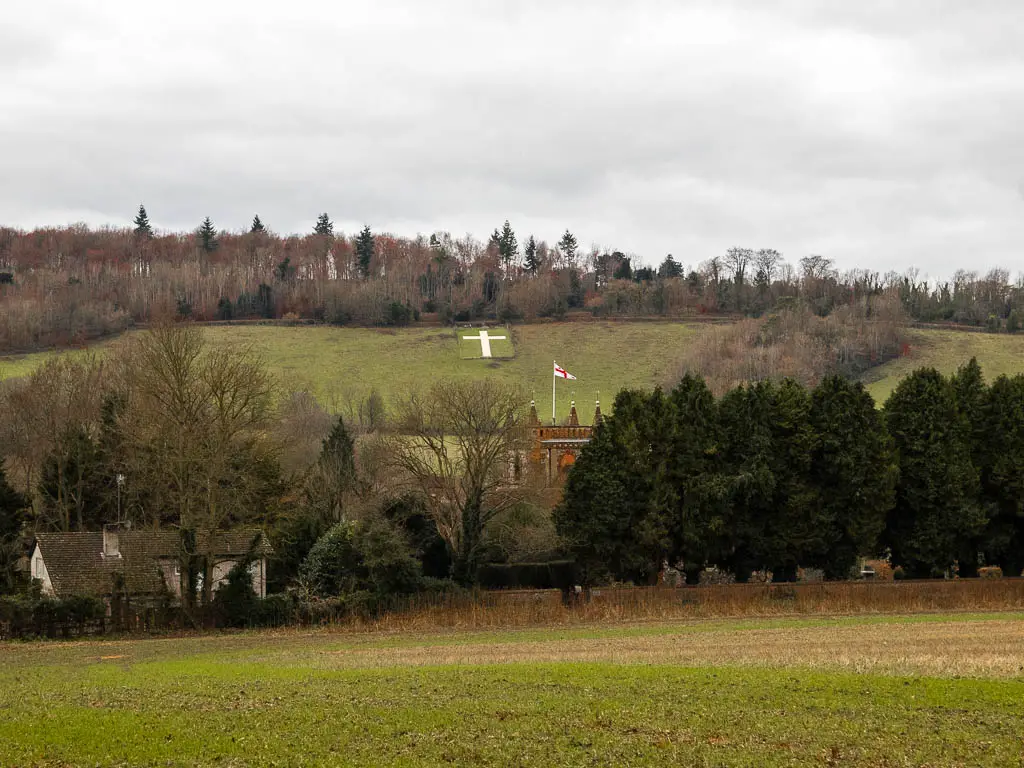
(553, 364)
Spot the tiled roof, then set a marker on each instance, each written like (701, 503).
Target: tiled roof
(76, 565)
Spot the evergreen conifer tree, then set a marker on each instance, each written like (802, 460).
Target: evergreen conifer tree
(364, 250)
(568, 246)
(937, 512)
(670, 268)
(143, 228)
(257, 225)
(695, 486)
(612, 512)
(1002, 473)
(508, 247)
(207, 235)
(532, 259)
(12, 507)
(853, 467)
(324, 226)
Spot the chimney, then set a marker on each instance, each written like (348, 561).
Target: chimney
(574, 419)
(111, 541)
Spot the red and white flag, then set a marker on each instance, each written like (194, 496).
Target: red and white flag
(560, 371)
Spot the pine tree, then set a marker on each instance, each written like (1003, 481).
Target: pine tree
(508, 247)
(853, 467)
(324, 226)
(937, 514)
(567, 246)
(333, 476)
(257, 225)
(670, 268)
(532, 259)
(142, 225)
(207, 235)
(364, 250)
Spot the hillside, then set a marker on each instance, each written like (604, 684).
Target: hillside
(344, 363)
(947, 350)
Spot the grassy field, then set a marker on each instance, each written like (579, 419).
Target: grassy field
(948, 350)
(342, 364)
(874, 691)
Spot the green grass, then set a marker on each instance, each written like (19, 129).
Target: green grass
(301, 699)
(341, 363)
(344, 363)
(948, 350)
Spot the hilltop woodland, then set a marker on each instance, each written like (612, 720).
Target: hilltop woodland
(168, 432)
(65, 286)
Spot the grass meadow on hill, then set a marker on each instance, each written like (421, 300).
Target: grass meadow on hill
(344, 363)
(872, 691)
(339, 363)
(946, 351)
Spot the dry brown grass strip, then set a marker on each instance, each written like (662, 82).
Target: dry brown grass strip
(988, 648)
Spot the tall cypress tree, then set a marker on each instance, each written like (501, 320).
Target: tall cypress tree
(364, 250)
(768, 441)
(695, 486)
(257, 225)
(12, 507)
(614, 512)
(853, 467)
(1002, 473)
(207, 235)
(937, 512)
(142, 225)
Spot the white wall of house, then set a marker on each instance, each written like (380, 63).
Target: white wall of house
(38, 570)
(221, 569)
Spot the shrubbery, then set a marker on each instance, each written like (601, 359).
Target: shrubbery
(31, 615)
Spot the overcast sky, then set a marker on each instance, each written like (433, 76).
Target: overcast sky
(883, 134)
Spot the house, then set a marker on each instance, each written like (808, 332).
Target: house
(147, 561)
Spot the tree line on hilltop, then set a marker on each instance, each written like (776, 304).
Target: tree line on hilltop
(772, 476)
(66, 285)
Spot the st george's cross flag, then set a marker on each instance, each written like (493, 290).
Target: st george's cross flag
(559, 371)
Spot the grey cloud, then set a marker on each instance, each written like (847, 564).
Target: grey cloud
(882, 134)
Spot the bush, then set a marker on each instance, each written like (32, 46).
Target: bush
(898, 573)
(371, 556)
(991, 572)
(33, 615)
(235, 602)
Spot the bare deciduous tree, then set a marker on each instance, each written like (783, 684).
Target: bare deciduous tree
(460, 446)
(196, 428)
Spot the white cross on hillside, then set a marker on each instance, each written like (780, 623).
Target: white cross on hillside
(485, 342)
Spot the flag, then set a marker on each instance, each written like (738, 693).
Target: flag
(559, 371)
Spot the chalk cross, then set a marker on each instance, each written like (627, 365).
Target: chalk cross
(485, 342)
